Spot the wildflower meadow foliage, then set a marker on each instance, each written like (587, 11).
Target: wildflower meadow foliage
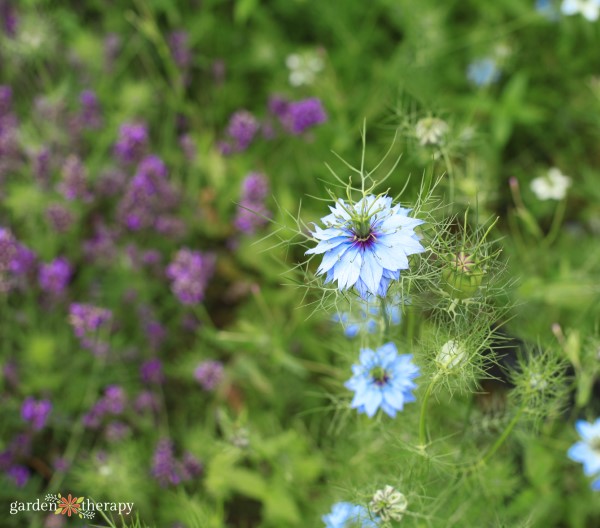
(299, 264)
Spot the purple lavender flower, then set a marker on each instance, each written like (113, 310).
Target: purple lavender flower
(164, 465)
(5, 100)
(302, 115)
(59, 217)
(112, 46)
(114, 399)
(146, 401)
(278, 106)
(23, 262)
(116, 431)
(86, 320)
(74, 180)
(151, 371)
(54, 277)
(90, 115)
(209, 374)
(251, 212)
(190, 467)
(242, 129)
(61, 464)
(180, 49)
(190, 272)
(36, 412)
(188, 146)
(41, 167)
(132, 142)
(10, 20)
(111, 183)
(19, 474)
(102, 247)
(149, 195)
(156, 333)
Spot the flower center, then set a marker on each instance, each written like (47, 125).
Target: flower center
(379, 375)
(363, 233)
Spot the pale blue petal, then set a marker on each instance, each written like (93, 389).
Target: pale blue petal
(371, 271)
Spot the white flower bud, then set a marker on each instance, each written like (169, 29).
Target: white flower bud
(451, 355)
(389, 504)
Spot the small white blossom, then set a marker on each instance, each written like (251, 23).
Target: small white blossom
(431, 131)
(303, 67)
(389, 504)
(589, 9)
(451, 355)
(553, 186)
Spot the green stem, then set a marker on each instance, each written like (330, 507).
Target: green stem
(422, 419)
(386, 319)
(492, 451)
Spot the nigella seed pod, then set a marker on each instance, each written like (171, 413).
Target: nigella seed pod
(463, 275)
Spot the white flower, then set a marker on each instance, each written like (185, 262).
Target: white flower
(451, 355)
(553, 186)
(389, 504)
(590, 9)
(431, 131)
(303, 67)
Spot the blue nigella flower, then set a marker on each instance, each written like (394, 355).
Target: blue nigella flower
(483, 72)
(383, 378)
(547, 9)
(346, 515)
(366, 244)
(364, 318)
(587, 451)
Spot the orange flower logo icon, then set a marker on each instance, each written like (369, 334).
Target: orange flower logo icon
(68, 505)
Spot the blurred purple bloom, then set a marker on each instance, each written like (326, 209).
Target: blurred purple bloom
(59, 217)
(36, 412)
(278, 106)
(5, 100)
(190, 272)
(74, 180)
(112, 46)
(188, 146)
(164, 465)
(111, 183)
(54, 277)
(87, 319)
(114, 399)
(132, 142)
(8, 15)
(91, 115)
(242, 129)
(251, 212)
(146, 401)
(180, 49)
(23, 261)
(219, 71)
(19, 474)
(102, 247)
(151, 371)
(302, 115)
(190, 467)
(209, 374)
(41, 166)
(116, 431)
(148, 197)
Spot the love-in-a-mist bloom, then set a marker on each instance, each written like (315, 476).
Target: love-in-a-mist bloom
(366, 244)
(587, 451)
(383, 379)
(347, 515)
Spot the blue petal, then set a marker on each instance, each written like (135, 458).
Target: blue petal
(371, 271)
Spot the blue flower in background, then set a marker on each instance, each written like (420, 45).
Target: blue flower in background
(366, 244)
(483, 72)
(347, 515)
(587, 451)
(589, 9)
(383, 378)
(364, 318)
(547, 9)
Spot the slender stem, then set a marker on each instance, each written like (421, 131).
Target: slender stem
(422, 418)
(386, 319)
(490, 453)
(557, 220)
